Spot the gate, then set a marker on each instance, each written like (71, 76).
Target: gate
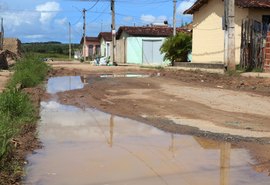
(251, 45)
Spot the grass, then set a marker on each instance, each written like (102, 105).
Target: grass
(16, 108)
(29, 72)
(54, 56)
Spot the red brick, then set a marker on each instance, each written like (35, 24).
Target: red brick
(268, 39)
(267, 45)
(266, 70)
(267, 56)
(267, 50)
(267, 61)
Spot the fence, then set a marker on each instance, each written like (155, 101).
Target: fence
(251, 45)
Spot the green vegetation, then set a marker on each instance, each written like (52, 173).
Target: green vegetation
(55, 50)
(29, 72)
(176, 48)
(16, 108)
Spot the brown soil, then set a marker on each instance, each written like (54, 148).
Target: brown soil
(153, 100)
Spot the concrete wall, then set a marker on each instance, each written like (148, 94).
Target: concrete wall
(121, 51)
(208, 36)
(134, 48)
(257, 14)
(86, 49)
(102, 47)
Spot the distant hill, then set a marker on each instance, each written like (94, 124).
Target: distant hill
(51, 47)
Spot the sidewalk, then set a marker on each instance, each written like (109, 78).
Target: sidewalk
(257, 75)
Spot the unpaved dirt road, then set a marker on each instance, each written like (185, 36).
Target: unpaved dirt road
(207, 102)
(221, 107)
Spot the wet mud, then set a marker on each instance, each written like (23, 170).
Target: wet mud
(87, 146)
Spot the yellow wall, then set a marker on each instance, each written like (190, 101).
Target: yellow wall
(208, 36)
(208, 42)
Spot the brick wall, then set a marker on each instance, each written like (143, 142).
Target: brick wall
(267, 54)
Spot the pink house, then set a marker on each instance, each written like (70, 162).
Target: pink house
(92, 48)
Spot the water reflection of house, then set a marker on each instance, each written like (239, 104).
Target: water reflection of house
(225, 156)
(92, 47)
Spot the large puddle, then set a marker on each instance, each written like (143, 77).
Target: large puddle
(89, 147)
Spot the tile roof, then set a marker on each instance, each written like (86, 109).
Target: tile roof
(241, 3)
(107, 36)
(90, 39)
(151, 31)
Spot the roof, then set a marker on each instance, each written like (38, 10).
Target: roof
(107, 36)
(90, 39)
(150, 31)
(240, 3)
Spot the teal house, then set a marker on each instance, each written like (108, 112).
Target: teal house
(140, 45)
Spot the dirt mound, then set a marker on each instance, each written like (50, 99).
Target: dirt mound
(13, 45)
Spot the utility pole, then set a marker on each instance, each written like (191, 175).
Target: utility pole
(113, 31)
(69, 33)
(84, 36)
(2, 34)
(229, 46)
(174, 17)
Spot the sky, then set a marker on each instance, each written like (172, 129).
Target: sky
(48, 20)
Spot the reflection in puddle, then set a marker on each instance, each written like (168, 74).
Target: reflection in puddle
(129, 75)
(90, 147)
(66, 83)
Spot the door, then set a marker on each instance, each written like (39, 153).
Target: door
(151, 53)
(108, 49)
(266, 23)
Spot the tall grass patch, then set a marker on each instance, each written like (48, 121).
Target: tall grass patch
(16, 108)
(29, 72)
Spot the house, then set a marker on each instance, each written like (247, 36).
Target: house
(140, 45)
(105, 39)
(92, 47)
(208, 35)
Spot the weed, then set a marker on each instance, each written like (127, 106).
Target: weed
(16, 109)
(30, 71)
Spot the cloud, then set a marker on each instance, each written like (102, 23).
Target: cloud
(61, 22)
(34, 36)
(184, 5)
(47, 11)
(128, 19)
(153, 19)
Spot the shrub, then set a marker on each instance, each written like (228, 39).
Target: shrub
(30, 71)
(176, 48)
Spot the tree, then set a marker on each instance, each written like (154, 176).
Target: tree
(176, 48)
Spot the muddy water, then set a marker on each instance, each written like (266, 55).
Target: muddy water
(66, 83)
(89, 147)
